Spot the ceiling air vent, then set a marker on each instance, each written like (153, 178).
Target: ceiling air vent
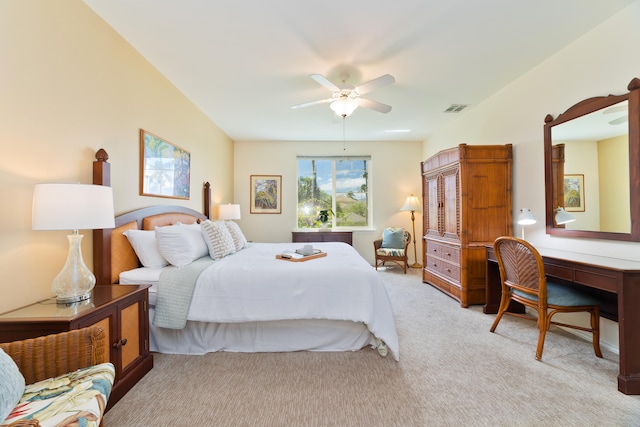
(456, 108)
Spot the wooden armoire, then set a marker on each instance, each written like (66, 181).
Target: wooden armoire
(467, 204)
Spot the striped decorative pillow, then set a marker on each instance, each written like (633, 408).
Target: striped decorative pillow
(218, 239)
(236, 233)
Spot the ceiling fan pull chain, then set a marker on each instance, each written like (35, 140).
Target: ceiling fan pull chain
(344, 141)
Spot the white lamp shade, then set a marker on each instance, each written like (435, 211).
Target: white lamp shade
(564, 217)
(344, 106)
(411, 204)
(526, 217)
(229, 211)
(72, 207)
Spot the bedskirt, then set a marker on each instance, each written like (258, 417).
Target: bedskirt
(199, 338)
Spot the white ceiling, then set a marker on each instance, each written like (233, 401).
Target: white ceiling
(245, 63)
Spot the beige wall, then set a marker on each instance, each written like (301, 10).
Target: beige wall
(601, 62)
(581, 158)
(69, 85)
(614, 184)
(395, 170)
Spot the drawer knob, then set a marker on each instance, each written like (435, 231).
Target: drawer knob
(120, 343)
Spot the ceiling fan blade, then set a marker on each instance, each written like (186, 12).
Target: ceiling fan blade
(618, 109)
(374, 105)
(325, 82)
(619, 120)
(308, 104)
(385, 80)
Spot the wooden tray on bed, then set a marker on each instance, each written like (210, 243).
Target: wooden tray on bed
(295, 257)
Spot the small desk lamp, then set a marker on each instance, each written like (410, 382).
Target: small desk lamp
(229, 211)
(72, 207)
(563, 217)
(525, 218)
(412, 204)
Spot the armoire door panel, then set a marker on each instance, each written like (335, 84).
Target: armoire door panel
(451, 219)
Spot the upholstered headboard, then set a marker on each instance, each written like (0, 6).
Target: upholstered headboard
(112, 252)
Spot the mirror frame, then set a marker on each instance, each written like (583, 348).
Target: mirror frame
(580, 109)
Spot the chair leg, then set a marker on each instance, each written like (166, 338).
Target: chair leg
(543, 326)
(496, 321)
(595, 326)
(504, 304)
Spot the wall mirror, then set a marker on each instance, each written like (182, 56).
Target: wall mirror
(592, 167)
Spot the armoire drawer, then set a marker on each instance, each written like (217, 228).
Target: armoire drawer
(443, 268)
(443, 251)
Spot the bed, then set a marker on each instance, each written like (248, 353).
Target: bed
(247, 300)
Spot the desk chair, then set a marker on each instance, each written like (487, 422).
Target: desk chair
(523, 280)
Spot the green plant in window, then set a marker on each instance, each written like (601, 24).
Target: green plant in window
(324, 215)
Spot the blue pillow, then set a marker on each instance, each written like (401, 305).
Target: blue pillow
(393, 238)
(11, 386)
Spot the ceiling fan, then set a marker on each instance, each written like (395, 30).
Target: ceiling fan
(345, 98)
(618, 109)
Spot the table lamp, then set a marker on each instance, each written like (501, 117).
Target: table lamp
(229, 211)
(563, 217)
(412, 204)
(526, 218)
(72, 207)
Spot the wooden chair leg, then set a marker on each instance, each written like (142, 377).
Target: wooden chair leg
(504, 304)
(543, 326)
(595, 326)
(496, 321)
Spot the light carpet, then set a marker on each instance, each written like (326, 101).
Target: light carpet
(452, 372)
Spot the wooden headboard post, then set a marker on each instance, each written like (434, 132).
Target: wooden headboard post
(206, 199)
(102, 237)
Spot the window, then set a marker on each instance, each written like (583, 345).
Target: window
(339, 185)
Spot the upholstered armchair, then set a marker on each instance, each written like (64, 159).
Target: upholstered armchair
(60, 379)
(392, 247)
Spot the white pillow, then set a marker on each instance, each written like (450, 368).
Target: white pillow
(236, 233)
(218, 239)
(180, 245)
(145, 246)
(193, 226)
(12, 385)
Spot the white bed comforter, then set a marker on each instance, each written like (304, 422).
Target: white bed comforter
(252, 285)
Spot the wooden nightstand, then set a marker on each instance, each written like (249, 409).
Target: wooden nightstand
(122, 310)
(321, 236)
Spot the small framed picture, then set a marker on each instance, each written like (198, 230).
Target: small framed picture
(164, 168)
(574, 193)
(266, 194)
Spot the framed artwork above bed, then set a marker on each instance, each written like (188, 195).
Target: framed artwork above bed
(266, 194)
(164, 168)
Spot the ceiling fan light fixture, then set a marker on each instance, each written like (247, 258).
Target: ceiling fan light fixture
(344, 106)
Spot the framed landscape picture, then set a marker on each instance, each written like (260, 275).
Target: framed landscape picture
(164, 168)
(266, 194)
(574, 193)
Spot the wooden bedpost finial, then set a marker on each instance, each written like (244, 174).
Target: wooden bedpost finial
(206, 200)
(101, 155)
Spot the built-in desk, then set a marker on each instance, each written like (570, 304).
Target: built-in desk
(600, 275)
